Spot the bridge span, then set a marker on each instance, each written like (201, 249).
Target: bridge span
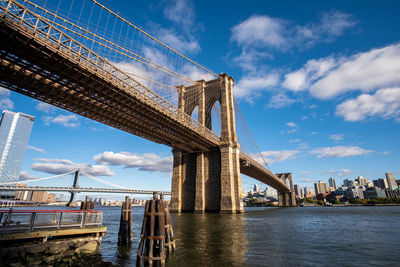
(81, 190)
(44, 60)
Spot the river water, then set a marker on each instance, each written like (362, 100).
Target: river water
(306, 236)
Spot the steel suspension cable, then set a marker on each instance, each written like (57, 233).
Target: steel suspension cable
(141, 58)
(101, 180)
(251, 135)
(154, 39)
(39, 179)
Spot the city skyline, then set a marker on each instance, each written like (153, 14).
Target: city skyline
(284, 75)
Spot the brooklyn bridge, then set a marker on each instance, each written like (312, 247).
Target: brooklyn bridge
(89, 60)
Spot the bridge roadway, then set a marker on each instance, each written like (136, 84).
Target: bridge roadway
(40, 61)
(80, 190)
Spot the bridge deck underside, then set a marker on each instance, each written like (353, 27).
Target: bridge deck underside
(253, 169)
(41, 70)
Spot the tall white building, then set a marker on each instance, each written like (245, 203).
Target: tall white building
(255, 188)
(391, 181)
(271, 192)
(321, 187)
(15, 130)
(362, 181)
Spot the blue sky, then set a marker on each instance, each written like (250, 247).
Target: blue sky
(318, 83)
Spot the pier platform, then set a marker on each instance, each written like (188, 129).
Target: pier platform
(43, 237)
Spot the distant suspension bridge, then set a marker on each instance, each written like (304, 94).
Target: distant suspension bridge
(74, 189)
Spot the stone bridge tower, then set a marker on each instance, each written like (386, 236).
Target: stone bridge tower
(208, 181)
(286, 199)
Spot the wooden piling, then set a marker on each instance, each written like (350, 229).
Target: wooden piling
(87, 205)
(125, 233)
(156, 235)
(169, 231)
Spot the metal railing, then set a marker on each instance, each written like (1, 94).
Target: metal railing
(34, 220)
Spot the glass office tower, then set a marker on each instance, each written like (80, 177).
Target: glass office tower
(15, 130)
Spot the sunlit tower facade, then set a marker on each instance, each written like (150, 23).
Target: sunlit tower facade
(15, 130)
(391, 181)
(332, 183)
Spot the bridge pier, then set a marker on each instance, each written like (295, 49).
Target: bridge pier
(208, 181)
(280, 198)
(287, 204)
(286, 199)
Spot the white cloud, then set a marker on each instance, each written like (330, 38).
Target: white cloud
(249, 58)
(385, 103)
(291, 124)
(181, 37)
(280, 100)
(144, 162)
(24, 176)
(305, 173)
(308, 181)
(302, 145)
(262, 31)
(179, 42)
(367, 71)
(5, 101)
(336, 137)
(334, 23)
(29, 147)
(258, 31)
(301, 79)
(273, 156)
(256, 35)
(59, 166)
(69, 121)
(42, 106)
(251, 86)
(294, 140)
(180, 11)
(339, 173)
(331, 24)
(339, 152)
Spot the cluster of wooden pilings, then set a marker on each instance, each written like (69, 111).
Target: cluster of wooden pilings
(87, 205)
(157, 236)
(125, 233)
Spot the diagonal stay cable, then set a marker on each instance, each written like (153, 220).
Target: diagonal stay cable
(39, 179)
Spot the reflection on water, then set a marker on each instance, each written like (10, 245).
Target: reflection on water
(309, 236)
(202, 239)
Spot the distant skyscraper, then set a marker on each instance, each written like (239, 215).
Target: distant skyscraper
(308, 192)
(321, 187)
(381, 183)
(332, 182)
(297, 191)
(255, 188)
(15, 130)
(271, 193)
(392, 184)
(362, 181)
(348, 182)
